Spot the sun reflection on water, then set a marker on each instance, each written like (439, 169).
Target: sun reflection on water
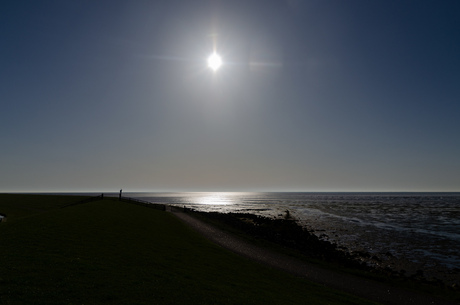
(215, 199)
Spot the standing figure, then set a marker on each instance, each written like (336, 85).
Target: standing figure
(119, 197)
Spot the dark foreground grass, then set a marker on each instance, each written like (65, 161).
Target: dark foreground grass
(22, 205)
(109, 252)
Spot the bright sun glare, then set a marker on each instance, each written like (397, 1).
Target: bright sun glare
(214, 61)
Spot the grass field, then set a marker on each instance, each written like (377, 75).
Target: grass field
(110, 252)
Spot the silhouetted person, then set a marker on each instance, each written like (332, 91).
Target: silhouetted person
(119, 197)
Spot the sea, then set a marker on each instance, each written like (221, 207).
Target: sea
(413, 233)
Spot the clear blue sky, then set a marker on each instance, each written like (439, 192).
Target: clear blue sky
(313, 95)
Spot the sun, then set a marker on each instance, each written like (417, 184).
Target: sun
(214, 61)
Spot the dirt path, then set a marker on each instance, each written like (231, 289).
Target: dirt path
(354, 285)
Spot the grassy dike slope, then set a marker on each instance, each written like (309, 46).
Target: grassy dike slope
(109, 252)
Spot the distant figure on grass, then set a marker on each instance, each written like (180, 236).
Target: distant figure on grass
(119, 197)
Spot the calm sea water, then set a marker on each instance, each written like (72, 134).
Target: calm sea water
(420, 229)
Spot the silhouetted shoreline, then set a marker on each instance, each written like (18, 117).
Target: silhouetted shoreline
(287, 233)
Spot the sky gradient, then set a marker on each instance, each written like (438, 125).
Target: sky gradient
(312, 96)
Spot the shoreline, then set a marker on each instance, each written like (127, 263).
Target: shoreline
(117, 211)
(399, 256)
(286, 232)
(400, 231)
(390, 259)
(377, 290)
